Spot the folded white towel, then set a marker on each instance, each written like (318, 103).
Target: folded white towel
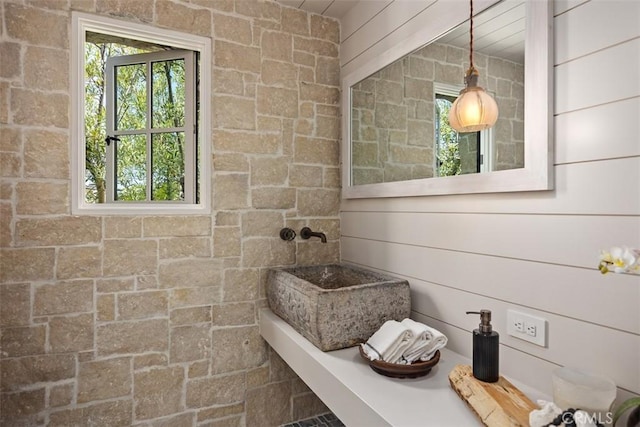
(389, 342)
(438, 341)
(427, 341)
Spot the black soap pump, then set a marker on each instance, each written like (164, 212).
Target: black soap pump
(485, 349)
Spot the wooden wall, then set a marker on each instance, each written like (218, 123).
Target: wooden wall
(535, 252)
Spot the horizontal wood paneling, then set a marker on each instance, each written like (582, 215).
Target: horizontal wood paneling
(574, 292)
(594, 26)
(583, 138)
(563, 239)
(596, 188)
(358, 16)
(601, 77)
(534, 251)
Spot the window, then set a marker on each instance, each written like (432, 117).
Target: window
(457, 153)
(138, 124)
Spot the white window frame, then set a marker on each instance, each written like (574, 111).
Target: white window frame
(81, 24)
(487, 145)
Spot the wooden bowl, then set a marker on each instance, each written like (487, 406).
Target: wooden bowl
(395, 370)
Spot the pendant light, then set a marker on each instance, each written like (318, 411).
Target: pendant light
(474, 110)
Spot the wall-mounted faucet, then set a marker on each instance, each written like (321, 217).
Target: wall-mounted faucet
(287, 234)
(306, 233)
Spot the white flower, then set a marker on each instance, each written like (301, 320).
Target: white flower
(620, 260)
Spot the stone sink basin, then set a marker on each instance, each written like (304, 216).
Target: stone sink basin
(336, 305)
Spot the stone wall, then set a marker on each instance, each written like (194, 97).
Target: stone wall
(393, 114)
(152, 320)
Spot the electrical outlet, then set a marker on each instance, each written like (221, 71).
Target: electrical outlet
(527, 327)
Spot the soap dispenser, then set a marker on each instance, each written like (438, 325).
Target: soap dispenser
(485, 349)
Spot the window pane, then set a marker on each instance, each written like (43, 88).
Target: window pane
(168, 166)
(131, 168)
(168, 93)
(131, 97)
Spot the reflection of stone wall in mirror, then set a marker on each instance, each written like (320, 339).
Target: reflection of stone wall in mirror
(393, 114)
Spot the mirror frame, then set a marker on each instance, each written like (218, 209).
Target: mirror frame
(537, 173)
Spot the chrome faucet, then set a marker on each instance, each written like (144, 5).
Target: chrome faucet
(306, 233)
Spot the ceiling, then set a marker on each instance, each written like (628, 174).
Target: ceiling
(498, 31)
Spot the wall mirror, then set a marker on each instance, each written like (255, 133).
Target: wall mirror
(396, 138)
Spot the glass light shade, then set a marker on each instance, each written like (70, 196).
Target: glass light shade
(474, 110)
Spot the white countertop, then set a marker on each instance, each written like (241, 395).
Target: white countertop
(359, 397)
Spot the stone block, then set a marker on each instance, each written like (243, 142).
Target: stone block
(59, 231)
(234, 314)
(149, 360)
(277, 73)
(261, 223)
(123, 257)
(78, 262)
(269, 171)
(190, 272)
(15, 305)
(46, 154)
(295, 21)
(181, 420)
(278, 102)
(115, 285)
(42, 198)
(104, 379)
(307, 405)
(158, 392)
(133, 337)
(318, 202)
(187, 297)
(276, 45)
(227, 218)
(146, 282)
(36, 26)
(61, 395)
(234, 112)
(22, 408)
(192, 20)
(122, 227)
(18, 373)
(265, 252)
(226, 242)
(316, 151)
(104, 414)
(305, 176)
(6, 221)
(449, 74)
(231, 191)
(316, 46)
(38, 63)
(240, 285)
(140, 305)
(220, 411)
(325, 28)
(237, 57)
(63, 297)
(332, 178)
(389, 116)
(4, 102)
(189, 343)
(36, 108)
(231, 28)
(228, 81)
(328, 127)
(11, 66)
(184, 247)
(319, 93)
(273, 198)
(315, 253)
(186, 316)
(23, 341)
(199, 369)
(269, 405)
(230, 162)
(328, 71)
(106, 308)
(236, 349)
(218, 390)
(73, 333)
(245, 142)
(176, 226)
(139, 10)
(10, 165)
(28, 264)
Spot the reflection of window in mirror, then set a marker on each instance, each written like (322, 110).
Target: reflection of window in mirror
(457, 153)
(140, 125)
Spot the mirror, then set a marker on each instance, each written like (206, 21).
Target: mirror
(395, 127)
